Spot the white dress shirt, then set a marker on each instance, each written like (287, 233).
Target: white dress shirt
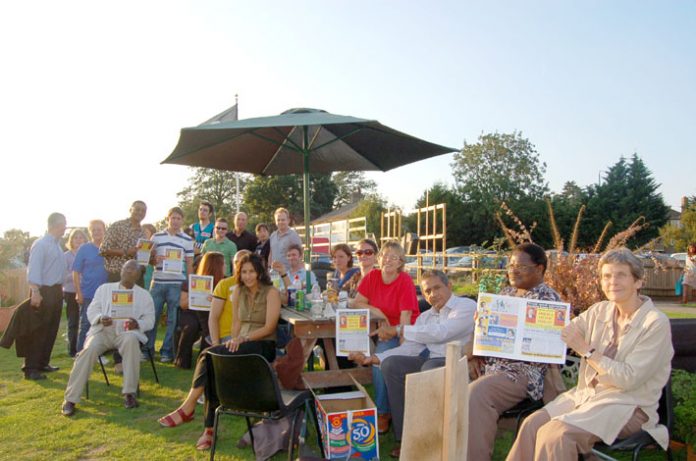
(144, 309)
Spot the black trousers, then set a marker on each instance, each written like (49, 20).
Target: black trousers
(72, 313)
(203, 375)
(192, 325)
(39, 353)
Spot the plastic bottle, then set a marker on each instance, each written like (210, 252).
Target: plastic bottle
(316, 292)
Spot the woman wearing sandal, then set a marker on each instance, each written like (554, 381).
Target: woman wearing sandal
(256, 310)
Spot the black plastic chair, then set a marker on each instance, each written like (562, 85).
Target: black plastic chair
(642, 439)
(246, 386)
(145, 350)
(520, 411)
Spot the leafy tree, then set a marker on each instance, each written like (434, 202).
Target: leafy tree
(351, 182)
(14, 248)
(218, 187)
(371, 207)
(566, 206)
(679, 237)
(263, 194)
(627, 193)
(498, 168)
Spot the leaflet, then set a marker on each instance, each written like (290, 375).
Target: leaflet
(520, 328)
(121, 308)
(352, 331)
(144, 247)
(173, 261)
(200, 292)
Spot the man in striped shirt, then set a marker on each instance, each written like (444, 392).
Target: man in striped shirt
(173, 257)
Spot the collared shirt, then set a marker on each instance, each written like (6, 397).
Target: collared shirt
(143, 309)
(46, 262)
(244, 241)
(120, 235)
(534, 371)
(434, 329)
(280, 244)
(164, 240)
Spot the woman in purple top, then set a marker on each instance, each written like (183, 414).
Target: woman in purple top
(72, 309)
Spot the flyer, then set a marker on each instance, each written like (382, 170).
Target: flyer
(520, 328)
(352, 331)
(144, 247)
(200, 292)
(121, 308)
(173, 261)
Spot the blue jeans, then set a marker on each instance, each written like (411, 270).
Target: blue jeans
(84, 323)
(165, 293)
(381, 399)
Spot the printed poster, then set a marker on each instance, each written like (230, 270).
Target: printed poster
(352, 331)
(144, 250)
(173, 261)
(200, 292)
(520, 328)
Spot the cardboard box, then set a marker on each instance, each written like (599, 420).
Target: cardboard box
(348, 424)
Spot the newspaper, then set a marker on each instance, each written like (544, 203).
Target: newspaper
(352, 331)
(121, 308)
(520, 328)
(173, 261)
(200, 292)
(144, 247)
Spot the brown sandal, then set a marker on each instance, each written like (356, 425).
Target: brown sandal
(205, 441)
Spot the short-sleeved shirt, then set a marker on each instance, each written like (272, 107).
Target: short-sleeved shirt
(392, 298)
(281, 243)
(252, 315)
(244, 241)
(223, 290)
(163, 241)
(120, 235)
(204, 234)
(68, 285)
(226, 247)
(90, 265)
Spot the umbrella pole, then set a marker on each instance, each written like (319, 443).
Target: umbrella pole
(308, 237)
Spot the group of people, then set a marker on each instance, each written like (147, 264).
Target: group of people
(624, 342)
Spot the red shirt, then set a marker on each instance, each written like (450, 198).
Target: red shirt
(391, 299)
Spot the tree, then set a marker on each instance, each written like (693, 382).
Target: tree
(498, 168)
(566, 206)
(627, 193)
(349, 183)
(263, 194)
(14, 248)
(371, 207)
(679, 237)
(216, 186)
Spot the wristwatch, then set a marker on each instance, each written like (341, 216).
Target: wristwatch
(589, 353)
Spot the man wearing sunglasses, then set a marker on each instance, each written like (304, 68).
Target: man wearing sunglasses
(221, 244)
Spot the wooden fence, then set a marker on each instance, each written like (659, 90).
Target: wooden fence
(14, 287)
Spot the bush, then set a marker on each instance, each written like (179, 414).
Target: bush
(684, 392)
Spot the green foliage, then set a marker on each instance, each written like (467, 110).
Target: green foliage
(683, 390)
(498, 168)
(349, 183)
(680, 237)
(14, 246)
(263, 194)
(216, 186)
(371, 207)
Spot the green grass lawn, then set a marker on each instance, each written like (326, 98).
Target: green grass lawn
(32, 428)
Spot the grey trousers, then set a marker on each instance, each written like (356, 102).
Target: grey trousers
(128, 346)
(394, 370)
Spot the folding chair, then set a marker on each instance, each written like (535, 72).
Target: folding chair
(246, 386)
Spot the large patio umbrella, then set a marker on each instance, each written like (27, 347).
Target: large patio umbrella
(297, 141)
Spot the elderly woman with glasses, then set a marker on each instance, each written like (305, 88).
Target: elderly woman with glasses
(504, 383)
(390, 294)
(626, 349)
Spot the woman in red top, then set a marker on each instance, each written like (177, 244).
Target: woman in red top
(389, 293)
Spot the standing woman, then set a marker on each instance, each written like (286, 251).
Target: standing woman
(626, 349)
(72, 308)
(390, 294)
(194, 324)
(689, 282)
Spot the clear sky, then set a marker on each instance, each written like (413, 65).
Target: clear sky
(93, 94)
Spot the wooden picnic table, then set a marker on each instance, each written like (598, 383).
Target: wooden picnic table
(309, 330)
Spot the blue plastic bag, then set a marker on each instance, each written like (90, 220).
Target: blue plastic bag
(678, 286)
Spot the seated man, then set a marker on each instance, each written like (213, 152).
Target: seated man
(296, 269)
(423, 344)
(104, 334)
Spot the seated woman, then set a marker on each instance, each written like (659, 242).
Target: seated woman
(256, 309)
(194, 324)
(626, 349)
(342, 258)
(390, 294)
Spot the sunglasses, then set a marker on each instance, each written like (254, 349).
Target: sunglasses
(220, 228)
(365, 252)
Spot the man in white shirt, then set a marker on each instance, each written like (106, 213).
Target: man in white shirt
(106, 333)
(423, 344)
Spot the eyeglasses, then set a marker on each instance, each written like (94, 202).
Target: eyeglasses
(391, 257)
(220, 228)
(520, 267)
(365, 252)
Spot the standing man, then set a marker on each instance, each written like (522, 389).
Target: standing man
(221, 244)
(88, 275)
(282, 238)
(166, 281)
(45, 273)
(203, 229)
(263, 247)
(121, 241)
(241, 237)
(106, 334)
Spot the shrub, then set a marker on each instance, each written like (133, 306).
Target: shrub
(684, 393)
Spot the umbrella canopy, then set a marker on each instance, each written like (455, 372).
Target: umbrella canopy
(297, 141)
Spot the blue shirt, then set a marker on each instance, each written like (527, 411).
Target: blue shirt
(203, 234)
(46, 262)
(90, 265)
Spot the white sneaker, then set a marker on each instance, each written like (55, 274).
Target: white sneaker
(103, 360)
